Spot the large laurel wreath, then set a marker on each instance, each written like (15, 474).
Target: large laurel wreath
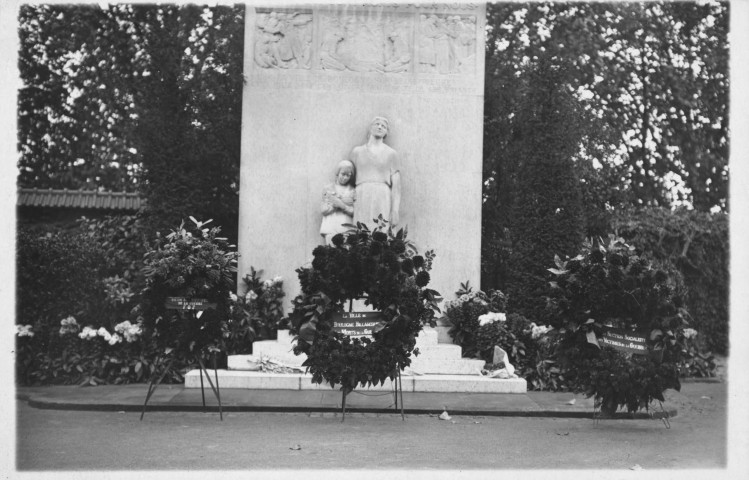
(385, 270)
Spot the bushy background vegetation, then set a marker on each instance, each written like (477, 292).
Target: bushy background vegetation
(582, 137)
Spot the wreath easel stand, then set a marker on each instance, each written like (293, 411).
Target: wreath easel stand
(153, 384)
(397, 386)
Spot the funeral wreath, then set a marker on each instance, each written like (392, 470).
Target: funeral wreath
(382, 267)
(195, 265)
(610, 286)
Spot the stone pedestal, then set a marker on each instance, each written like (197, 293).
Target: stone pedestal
(315, 78)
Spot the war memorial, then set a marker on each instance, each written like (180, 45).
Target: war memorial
(397, 92)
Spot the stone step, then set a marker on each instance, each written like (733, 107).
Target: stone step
(427, 337)
(461, 366)
(433, 357)
(249, 362)
(415, 383)
(452, 352)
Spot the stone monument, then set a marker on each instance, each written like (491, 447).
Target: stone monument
(316, 76)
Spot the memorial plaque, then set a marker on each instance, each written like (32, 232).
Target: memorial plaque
(182, 303)
(357, 324)
(625, 340)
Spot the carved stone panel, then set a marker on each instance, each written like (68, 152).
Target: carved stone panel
(446, 44)
(365, 43)
(283, 40)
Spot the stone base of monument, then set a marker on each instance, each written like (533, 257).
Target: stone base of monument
(438, 368)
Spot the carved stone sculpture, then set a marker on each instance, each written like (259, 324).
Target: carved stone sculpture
(365, 44)
(338, 200)
(284, 40)
(447, 44)
(378, 180)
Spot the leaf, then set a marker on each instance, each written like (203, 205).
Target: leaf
(559, 263)
(557, 272)
(591, 338)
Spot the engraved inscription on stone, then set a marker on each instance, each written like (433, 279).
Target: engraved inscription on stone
(366, 44)
(447, 44)
(283, 40)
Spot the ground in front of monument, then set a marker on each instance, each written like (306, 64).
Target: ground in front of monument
(60, 440)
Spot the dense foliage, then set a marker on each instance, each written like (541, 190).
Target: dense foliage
(546, 216)
(129, 97)
(652, 78)
(653, 74)
(463, 314)
(384, 268)
(609, 284)
(191, 262)
(256, 315)
(696, 245)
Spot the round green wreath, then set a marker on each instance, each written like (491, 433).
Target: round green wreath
(386, 270)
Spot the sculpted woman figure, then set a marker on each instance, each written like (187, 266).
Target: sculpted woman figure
(378, 182)
(338, 201)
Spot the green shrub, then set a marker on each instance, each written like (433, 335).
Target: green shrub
(256, 315)
(59, 275)
(610, 285)
(89, 356)
(463, 314)
(695, 244)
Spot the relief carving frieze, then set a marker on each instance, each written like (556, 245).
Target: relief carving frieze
(446, 44)
(283, 40)
(368, 41)
(366, 44)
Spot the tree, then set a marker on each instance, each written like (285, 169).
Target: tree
(653, 73)
(546, 218)
(191, 113)
(144, 97)
(75, 109)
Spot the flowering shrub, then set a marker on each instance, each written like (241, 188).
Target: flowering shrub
(256, 315)
(694, 362)
(90, 356)
(467, 312)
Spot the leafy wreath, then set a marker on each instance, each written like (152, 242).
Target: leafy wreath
(385, 269)
(192, 262)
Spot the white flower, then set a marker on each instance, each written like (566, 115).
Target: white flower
(88, 333)
(113, 339)
(68, 325)
(491, 317)
(102, 332)
(233, 297)
(538, 331)
(121, 327)
(464, 298)
(251, 296)
(690, 332)
(128, 330)
(277, 280)
(24, 331)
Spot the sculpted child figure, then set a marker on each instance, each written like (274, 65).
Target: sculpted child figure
(338, 201)
(378, 183)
